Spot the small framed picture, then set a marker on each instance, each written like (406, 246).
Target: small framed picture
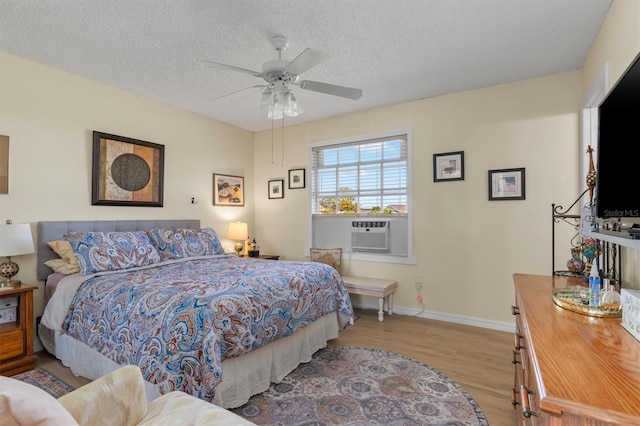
(506, 184)
(276, 188)
(228, 190)
(448, 166)
(296, 178)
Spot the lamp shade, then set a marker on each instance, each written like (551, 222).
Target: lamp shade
(238, 231)
(15, 240)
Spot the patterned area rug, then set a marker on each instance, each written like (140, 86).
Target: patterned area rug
(45, 381)
(357, 386)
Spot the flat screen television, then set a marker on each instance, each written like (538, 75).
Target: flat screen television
(618, 155)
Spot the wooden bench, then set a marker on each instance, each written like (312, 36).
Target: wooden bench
(380, 288)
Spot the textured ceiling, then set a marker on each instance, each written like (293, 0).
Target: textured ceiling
(394, 50)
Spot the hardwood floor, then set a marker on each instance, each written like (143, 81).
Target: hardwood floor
(476, 358)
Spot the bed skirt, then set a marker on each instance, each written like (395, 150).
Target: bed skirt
(242, 377)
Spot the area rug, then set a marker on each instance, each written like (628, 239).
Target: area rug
(358, 386)
(45, 381)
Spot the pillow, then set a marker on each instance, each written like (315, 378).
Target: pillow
(61, 266)
(181, 243)
(64, 250)
(112, 251)
(25, 404)
(67, 264)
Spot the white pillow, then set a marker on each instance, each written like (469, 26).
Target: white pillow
(22, 404)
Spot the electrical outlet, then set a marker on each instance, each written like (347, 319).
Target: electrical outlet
(418, 282)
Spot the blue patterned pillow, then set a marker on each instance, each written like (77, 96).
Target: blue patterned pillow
(112, 251)
(181, 243)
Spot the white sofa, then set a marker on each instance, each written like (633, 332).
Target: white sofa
(117, 398)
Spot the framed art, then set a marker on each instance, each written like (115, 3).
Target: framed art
(126, 172)
(506, 184)
(4, 164)
(448, 166)
(276, 188)
(296, 178)
(228, 190)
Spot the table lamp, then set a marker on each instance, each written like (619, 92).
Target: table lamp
(14, 241)
(239, 232)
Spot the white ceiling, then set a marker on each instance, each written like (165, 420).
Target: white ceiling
(394, 50)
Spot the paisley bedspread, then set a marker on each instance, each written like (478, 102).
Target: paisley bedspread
(179, 320)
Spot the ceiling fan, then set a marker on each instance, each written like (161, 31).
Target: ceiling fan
(279, 74)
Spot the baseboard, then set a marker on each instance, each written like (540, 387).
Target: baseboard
(442, 316)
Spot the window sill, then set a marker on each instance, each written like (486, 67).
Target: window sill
(359, 216)
(384, 258)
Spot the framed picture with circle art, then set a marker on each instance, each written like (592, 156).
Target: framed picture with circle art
(228, 190)
(126, 171)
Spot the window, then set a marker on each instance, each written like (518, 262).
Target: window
(357, 183)
(365, 177)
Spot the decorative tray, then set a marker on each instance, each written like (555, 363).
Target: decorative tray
(576, 298)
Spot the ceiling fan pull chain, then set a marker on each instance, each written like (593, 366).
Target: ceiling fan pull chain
(282, 154)
(272, 142)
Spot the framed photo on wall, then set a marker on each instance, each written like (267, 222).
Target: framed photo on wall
(296, 178)
(228, 190)
(126, 171)
(4, 164)
(506, 184)
(276, 188)
(448, 166)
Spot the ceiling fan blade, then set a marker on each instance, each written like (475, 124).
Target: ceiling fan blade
(331, 89)
(230, 96)
(230, 68)
(305, 61)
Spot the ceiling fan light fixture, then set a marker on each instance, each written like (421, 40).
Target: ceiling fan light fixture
(279, 104)
(294, 106)
(266, 103)
(275, 113)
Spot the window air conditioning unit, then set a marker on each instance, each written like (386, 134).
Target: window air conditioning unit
(370, 236)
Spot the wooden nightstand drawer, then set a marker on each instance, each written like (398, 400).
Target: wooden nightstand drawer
(16, 337)
(11, 344)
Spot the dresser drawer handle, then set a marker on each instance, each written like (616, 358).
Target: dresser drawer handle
(514, 357)
(517, 344)
(515, 310)
(524, 396)
(514, 398)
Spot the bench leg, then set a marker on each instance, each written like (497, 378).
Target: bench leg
(390, 304)
(380, 308)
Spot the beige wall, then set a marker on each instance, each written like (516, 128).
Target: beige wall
(617, 43)
(466, 247)
(50, 115)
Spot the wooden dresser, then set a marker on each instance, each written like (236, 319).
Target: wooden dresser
(571, 369)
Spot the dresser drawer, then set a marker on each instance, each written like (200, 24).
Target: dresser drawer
(11, 344)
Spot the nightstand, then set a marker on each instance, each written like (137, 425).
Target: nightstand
(264, 256)
(16, 334)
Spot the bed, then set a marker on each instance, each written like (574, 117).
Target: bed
(219, 327)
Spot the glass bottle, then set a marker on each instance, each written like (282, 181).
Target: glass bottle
(610, 297)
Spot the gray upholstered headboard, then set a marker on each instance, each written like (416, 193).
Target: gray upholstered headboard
(54, 230)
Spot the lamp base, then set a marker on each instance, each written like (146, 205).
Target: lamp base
(10, 284)
(7, 270)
